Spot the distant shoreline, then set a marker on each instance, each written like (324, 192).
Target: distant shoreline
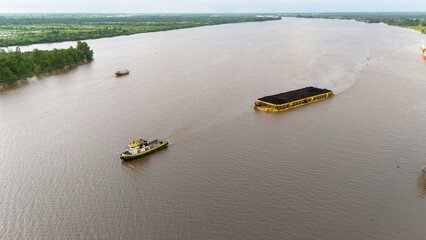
(415, 21)
(24, 30)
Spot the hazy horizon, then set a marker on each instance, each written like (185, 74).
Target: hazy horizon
(201, 13)
(208, 6)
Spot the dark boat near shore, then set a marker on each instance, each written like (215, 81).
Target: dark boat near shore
(140, 147)
(292, 99)
(122, 73)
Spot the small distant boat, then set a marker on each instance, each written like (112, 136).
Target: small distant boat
(423, 48)
(122, 73)
(424, 166)
(141, 147)
(371, 20)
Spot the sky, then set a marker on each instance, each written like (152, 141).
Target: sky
(209, 6)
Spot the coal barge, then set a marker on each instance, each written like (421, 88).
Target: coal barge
(292, 99)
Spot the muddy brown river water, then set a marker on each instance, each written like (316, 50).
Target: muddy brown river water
(348, 167)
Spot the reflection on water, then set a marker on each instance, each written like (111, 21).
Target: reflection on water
(136, 164)
(321, 171)
(24, 82)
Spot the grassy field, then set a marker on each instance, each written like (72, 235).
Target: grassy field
(18, 30)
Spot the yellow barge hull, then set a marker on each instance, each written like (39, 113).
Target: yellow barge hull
(270, 107)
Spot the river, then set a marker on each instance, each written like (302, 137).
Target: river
(348, 167)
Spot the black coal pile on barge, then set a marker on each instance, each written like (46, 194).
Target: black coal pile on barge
(292, 99)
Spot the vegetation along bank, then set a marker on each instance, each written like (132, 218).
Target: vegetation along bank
(416, 21)
(16, 65)
(21, 29)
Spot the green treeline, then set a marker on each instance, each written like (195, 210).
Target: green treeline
(416, 24)
(16, 65)
(416, 21)
(29, 29)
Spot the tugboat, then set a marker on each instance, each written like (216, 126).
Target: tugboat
(122, 73)
(141, 147)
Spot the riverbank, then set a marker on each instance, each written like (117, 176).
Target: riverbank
(27, 29)
(17, 65)
(416, 21)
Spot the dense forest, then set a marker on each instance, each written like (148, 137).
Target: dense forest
(16, 65)
(416, 21)
(18, 30)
